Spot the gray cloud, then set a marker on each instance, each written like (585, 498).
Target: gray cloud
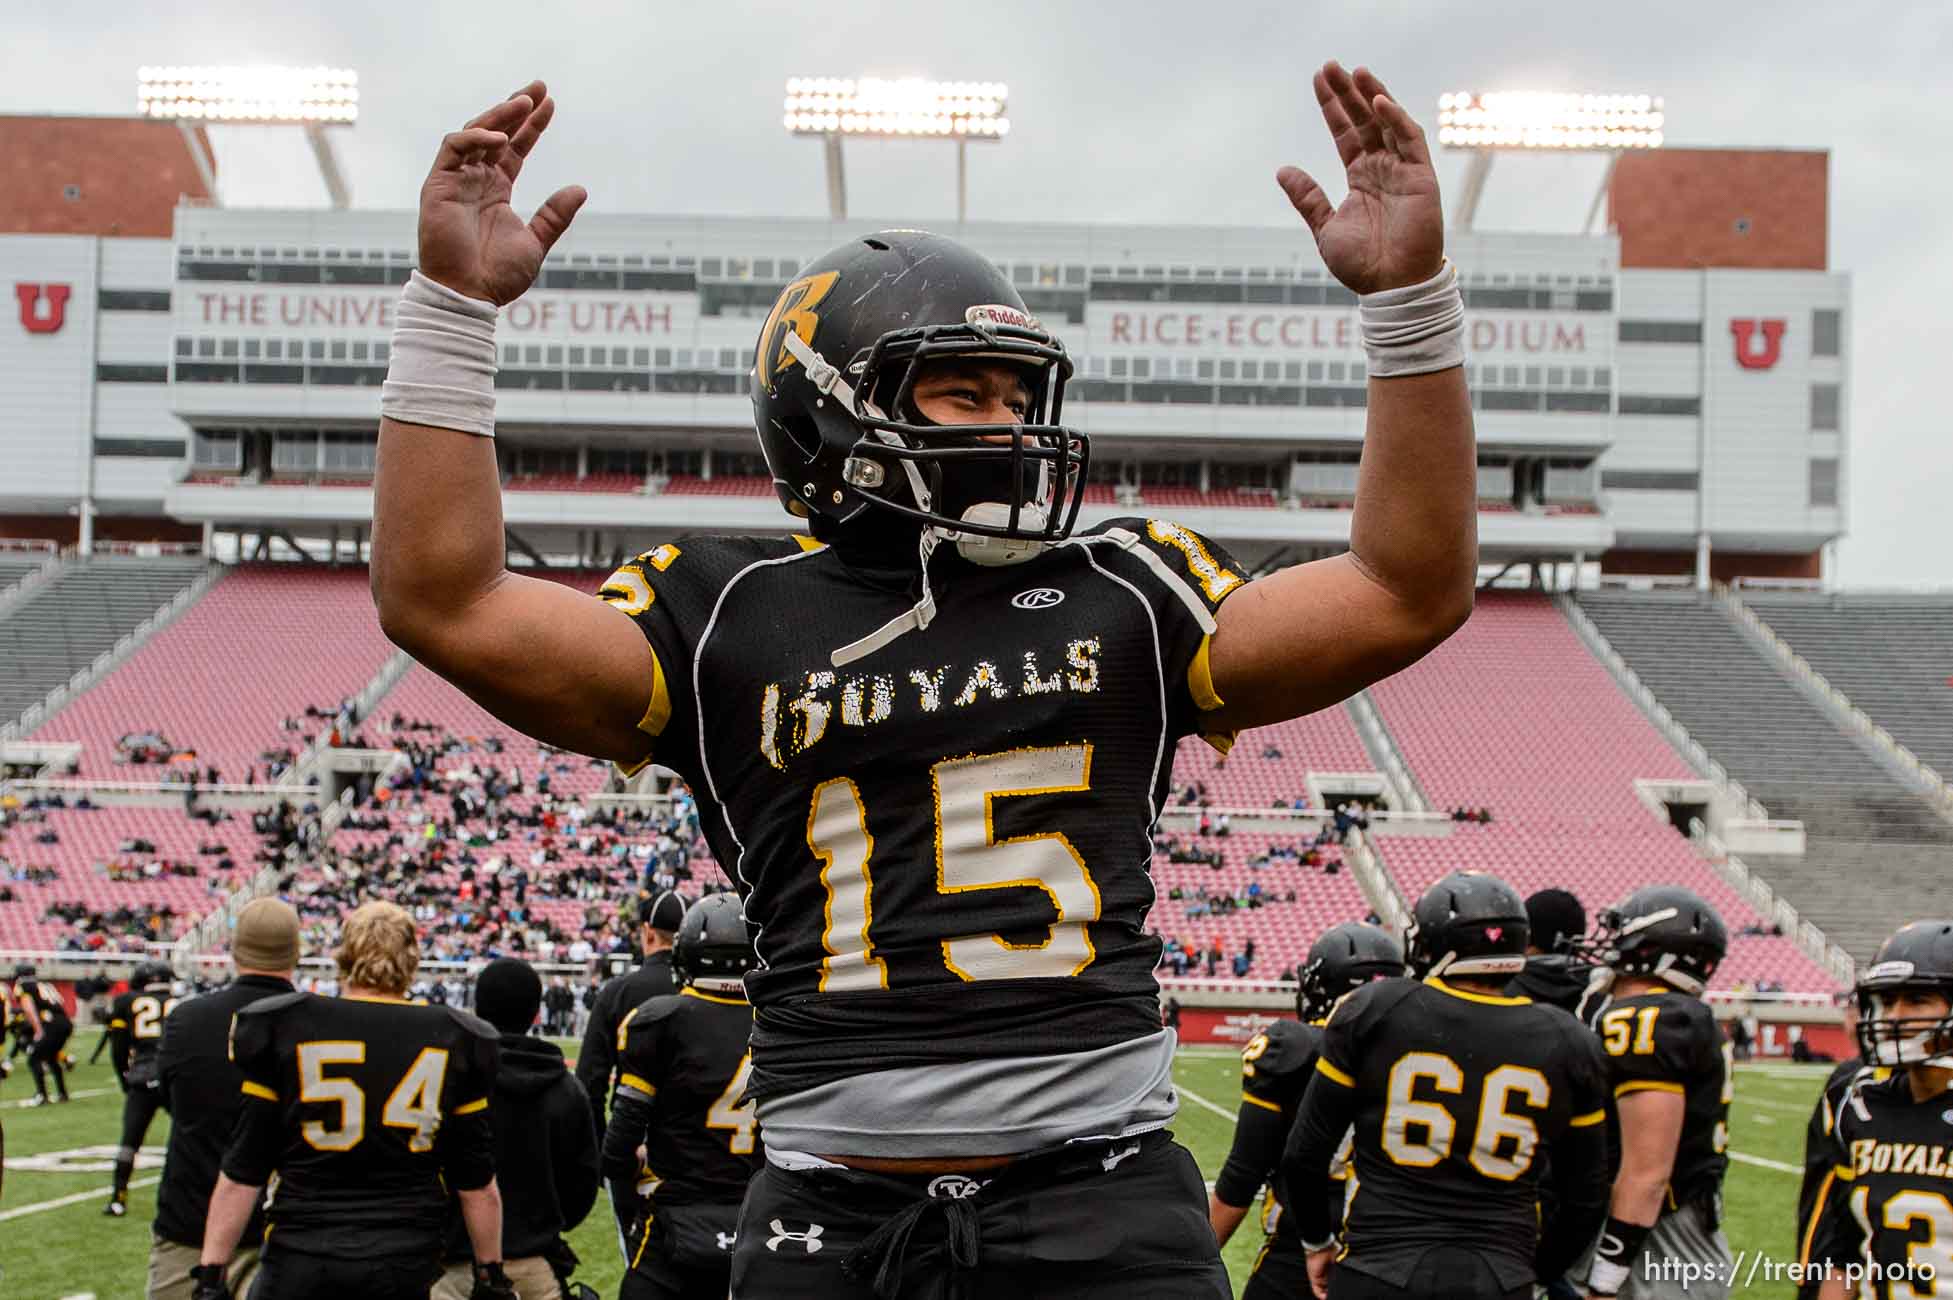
(1137, 111)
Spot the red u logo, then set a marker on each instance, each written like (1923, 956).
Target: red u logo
(1748, 355)
(32, 316)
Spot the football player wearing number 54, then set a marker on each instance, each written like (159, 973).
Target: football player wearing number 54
(369, 1109)
(930, 734)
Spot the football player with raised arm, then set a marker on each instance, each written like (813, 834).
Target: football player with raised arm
(1887, 1207)
(1673, 1078)
(682, 1067)
(135, 1034)
(1276, 1067)
(1455, 1089)
(368, 1109)
(930, 735)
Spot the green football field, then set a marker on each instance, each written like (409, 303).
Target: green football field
(56, 1245)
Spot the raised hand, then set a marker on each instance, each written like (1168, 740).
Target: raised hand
(1389, 231)
(471, 240)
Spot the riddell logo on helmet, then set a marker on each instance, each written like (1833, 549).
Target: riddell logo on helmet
(998, 314)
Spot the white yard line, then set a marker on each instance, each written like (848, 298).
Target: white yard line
(28, 1103)
(94, 1194)
(1759, 1161)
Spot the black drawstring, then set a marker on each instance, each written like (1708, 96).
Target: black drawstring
(886, 1249)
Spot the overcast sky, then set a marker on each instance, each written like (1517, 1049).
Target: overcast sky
(1124, 111)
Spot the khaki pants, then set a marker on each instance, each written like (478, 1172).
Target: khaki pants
(170, 1263)
(532, 1277)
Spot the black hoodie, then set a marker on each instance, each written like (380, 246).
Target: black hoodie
(545, 1155)
(1553, 978)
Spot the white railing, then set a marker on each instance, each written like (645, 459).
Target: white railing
(1832, 959)
(1377, 884)
(1383, 749)
(1669, 725)
(109, 659)
(1928, 782)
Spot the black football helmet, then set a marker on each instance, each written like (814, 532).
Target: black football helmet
(1345, 957)
(151, 972)
(833, 379)
(1469, 923)
(1918, 958)
(1663, 931)
(714, 949)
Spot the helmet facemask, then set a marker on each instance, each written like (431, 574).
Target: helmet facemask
(1903, 1040)
(1020, 483)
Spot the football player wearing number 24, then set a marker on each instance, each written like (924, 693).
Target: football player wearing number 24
(930, 735)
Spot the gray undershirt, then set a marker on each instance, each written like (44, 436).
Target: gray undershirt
(1003, 1106)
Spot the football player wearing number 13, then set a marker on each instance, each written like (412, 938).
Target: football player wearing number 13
(931, 736)
(1884, 1208)
(368, 1109)
(1452, 1088)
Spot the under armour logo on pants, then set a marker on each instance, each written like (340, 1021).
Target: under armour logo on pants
(810, 1239)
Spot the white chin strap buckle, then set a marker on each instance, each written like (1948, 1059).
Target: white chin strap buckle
(996, 552)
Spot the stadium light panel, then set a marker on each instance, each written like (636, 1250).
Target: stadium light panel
(906, 109)
(1535, 120)
(260, 96)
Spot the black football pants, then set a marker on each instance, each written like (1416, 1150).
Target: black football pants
(1444, 1273)
(44, 1057)
(1123, 1220)
(290, 1275)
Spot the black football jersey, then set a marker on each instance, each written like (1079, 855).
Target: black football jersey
(1276, 1067)
(686, 1054)
(136, 1031)
(1456, 1092)
(45, 1001)
(943, 843)
(368, 1112)
(1671, 1042)
(1887, 1208)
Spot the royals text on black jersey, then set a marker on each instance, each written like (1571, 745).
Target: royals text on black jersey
(1887, 1207)
(1670, 1042)
(943, 843)
(369, 1112)
(1452, 1093)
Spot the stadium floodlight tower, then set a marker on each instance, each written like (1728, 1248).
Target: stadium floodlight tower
(1486, 125)
(312, 98)
(909, 109)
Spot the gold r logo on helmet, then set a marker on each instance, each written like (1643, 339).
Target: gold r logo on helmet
(793, 310)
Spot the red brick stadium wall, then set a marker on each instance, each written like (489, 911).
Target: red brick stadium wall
(1756, 208)
(128, 174)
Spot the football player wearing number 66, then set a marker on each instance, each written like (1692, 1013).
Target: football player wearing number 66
(1453, 1089)
(931, 733)
(368, 1108)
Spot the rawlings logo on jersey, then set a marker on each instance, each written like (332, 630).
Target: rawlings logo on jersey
(796, 716)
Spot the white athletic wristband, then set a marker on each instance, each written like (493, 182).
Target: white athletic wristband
(442, 368)
(1416, 329)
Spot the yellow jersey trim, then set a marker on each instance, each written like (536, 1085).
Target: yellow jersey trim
(633, 1081)
(1647, 1085)
(1817, 1216)
(689, 992)
(470, 1107)
(1253, 1100)
(250, 1089)
(1328, 1071)
(1588, 1120)
(1490, 1000)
